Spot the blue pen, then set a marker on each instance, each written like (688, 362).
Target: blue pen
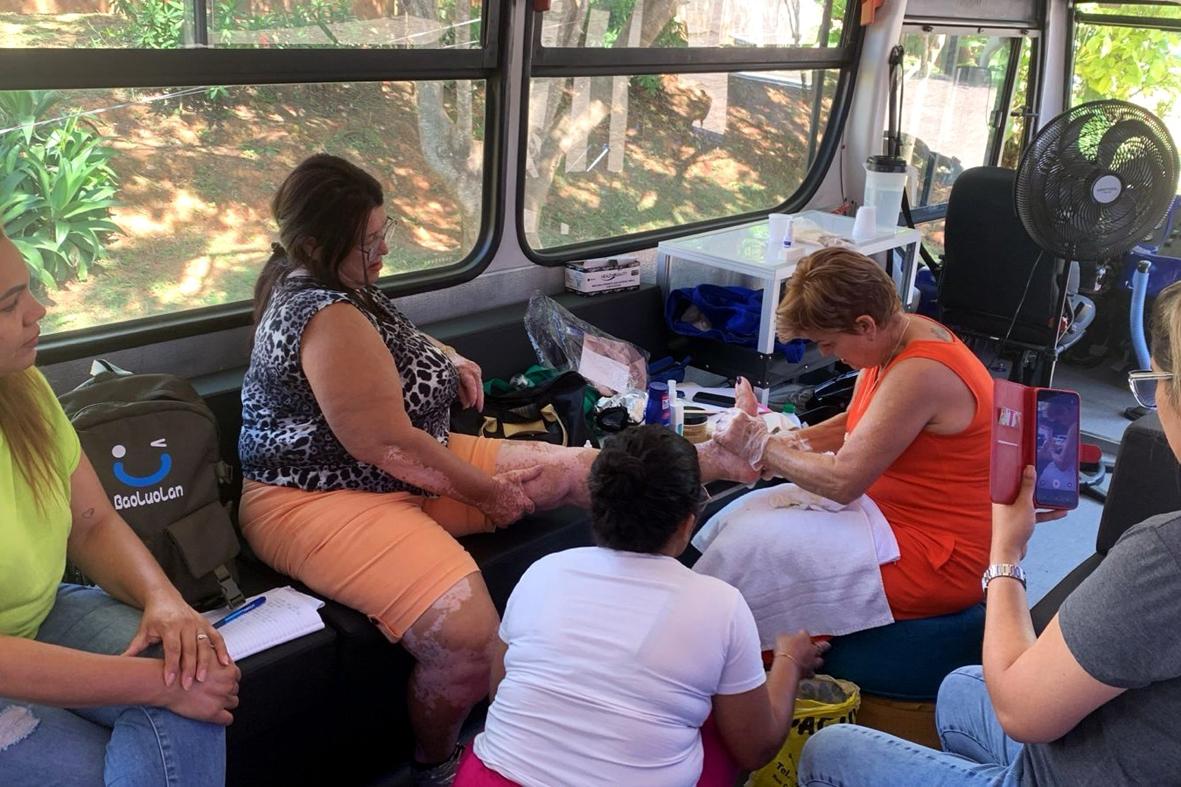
(240, 611)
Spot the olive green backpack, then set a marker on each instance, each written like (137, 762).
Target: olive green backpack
(154, 445)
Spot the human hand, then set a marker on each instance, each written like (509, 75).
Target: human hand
(471, 381)
(210, 700)
(799, 649)
(508, 499)
(1012, 524)
(743, 435)
(190, 643)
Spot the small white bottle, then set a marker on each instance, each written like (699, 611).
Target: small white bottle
(788, 238)
(676, 410)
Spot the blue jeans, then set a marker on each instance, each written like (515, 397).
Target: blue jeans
(124, 745)
(976, 751)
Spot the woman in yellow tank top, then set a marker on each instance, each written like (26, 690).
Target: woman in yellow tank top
(132, 721)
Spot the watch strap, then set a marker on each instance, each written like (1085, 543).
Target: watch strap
(996, 570)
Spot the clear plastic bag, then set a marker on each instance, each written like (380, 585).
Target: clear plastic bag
(563, 342)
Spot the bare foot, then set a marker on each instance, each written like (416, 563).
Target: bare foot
(744, 397)
(717, 463)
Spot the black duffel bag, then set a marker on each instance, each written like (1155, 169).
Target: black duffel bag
(550, 412)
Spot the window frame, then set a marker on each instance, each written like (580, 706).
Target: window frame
(564, 62)
(998, 123)
(1075, 17)
(79, 69)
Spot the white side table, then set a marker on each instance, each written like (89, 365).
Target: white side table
(743, 249)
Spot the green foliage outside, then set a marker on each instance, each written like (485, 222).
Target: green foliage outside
(1140, 65)
(57, 187)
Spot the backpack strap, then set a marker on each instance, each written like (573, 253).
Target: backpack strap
(229, 588)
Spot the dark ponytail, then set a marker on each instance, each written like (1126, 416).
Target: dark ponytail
(324, 204)
(643, 484)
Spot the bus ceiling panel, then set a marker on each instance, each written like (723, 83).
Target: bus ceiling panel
(27, 69)
(613, 62)
(1002, 13)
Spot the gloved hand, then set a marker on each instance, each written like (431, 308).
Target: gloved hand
(743, 435)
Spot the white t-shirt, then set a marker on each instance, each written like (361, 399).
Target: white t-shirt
(613, 658)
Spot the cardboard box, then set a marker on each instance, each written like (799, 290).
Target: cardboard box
(608, 274)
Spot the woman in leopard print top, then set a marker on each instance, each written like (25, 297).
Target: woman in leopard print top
(353, 484)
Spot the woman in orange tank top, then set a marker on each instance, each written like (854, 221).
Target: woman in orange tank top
(915, 438)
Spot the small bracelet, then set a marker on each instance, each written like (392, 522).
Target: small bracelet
(789, 657)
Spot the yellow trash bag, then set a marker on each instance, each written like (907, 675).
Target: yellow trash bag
(820, 701)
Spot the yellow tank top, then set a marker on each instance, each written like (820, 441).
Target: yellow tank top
(32, 537)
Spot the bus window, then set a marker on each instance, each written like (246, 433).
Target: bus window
(137, 181)
(172, 24)
(1130, 52)
(954, 103)
(646, 116)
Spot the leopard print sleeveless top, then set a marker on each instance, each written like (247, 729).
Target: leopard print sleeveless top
(285, 439)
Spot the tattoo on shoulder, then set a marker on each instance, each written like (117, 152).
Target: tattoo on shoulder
(941, 333)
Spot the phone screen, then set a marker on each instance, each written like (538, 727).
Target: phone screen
(1057, 449)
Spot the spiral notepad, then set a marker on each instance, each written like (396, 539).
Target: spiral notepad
(286, 615)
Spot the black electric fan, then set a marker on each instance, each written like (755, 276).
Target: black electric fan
(1096, 180)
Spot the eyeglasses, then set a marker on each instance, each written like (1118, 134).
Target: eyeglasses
(371, 244)
(1143, 385)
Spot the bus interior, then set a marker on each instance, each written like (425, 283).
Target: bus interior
(142, 141)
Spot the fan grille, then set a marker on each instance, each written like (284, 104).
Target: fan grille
(1096, 180)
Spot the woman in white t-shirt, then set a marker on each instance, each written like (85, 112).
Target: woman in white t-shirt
(614, 656)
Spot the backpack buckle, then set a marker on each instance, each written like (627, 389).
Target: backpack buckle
(229, 588)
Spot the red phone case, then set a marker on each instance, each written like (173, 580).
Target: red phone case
(1014, 440)
(1014, 409)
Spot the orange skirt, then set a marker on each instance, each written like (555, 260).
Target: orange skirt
(387, 555)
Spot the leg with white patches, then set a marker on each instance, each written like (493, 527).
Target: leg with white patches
(564, 471)
(451, 643)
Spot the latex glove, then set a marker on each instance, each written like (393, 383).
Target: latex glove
(743, 435)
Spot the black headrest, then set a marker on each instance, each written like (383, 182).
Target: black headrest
(989, 258)
(1146, 481)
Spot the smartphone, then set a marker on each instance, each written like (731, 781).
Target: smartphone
(1056, 448)
(1039, 427)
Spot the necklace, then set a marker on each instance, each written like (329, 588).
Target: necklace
(894, 352)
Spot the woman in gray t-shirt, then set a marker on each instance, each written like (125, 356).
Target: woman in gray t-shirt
(1090, 701)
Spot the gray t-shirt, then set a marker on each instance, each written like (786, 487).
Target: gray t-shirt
(1123, 626)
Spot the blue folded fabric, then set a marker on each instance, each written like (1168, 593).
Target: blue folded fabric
(732, 313)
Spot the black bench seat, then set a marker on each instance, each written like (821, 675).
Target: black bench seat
(330, 708)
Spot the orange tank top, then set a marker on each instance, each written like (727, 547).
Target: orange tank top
(935, 495)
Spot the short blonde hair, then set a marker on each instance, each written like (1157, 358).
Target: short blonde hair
(830, 289)
(1166, 338)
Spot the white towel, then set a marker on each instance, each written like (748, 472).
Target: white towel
(801, 561)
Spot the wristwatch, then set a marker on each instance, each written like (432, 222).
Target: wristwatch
(1002, 570)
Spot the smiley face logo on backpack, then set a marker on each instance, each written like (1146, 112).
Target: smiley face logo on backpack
(161, 472)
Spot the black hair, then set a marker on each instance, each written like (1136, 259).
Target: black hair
(643, 484)
(326, 201)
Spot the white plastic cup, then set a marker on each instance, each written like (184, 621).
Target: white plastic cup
(777, 225)
(865, 225)
(885, 180)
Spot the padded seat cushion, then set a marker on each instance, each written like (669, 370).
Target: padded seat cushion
(907, 660)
